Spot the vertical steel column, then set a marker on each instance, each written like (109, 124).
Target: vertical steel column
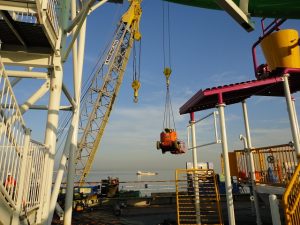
(194, 142)
(274, 210)
(21, 181)
(53, 113)
(51, 132)
(73, 145)
(228, 185)
(60, 173)
(195, 167)
(292, 115)
(295, 114)
(252, 168)
(63, 160)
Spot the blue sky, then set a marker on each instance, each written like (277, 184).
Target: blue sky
(208, 49)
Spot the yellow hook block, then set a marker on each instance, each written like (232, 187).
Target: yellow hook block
(136, 86)
(167, 72)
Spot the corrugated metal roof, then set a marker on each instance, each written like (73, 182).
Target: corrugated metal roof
(234, 93)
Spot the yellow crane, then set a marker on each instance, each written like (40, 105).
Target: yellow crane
(103, 90)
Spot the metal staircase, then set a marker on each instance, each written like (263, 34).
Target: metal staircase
(291, 199)
(209, 200)
(197, 195)
(29, 33)
(21, 160)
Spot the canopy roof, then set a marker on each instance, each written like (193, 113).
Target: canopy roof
(234, 93)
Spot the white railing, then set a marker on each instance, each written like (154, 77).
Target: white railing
(25, 17)
(12, 139)
(33, 181)
(21, 160)
(53, 12)
(214, 129)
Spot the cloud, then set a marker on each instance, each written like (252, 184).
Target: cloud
(271, 136)
(227, 77)
(262, 99)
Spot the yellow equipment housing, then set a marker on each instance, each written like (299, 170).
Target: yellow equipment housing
(281, 49)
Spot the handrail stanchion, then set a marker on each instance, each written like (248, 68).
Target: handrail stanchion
(228, 185)
(195, 167)
(292, 115)
(274, 210)
(252, 168)
(19, 191)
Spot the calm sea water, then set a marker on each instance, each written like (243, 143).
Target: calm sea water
(162, 182)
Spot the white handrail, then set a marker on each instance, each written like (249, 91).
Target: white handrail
(216, 135)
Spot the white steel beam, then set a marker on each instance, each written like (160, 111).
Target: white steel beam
(80, 17)
(236, 13)
(12, 26)
(68, 95)
(26, 59)
(78, 29)
(15, 81)
(35, 97)
(25, 7)
(45, 107)
(27, 74)
(97, 5)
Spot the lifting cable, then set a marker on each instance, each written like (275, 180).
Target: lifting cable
(168, 114)
(136, 69)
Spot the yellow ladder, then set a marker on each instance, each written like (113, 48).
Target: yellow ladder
(197, 197)
(291, 199)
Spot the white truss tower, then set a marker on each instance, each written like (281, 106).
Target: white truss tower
(34, 46)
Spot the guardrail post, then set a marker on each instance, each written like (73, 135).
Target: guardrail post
(292, 115)
(274, 210)
(195, 167)
(21, 181)
(248, 146)
(228, 184)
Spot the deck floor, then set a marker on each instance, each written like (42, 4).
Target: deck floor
(154, 215)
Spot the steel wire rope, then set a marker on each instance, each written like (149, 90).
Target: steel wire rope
(140, 53)
(163, 32)
(136, 63)
(169, 35)
(168, 113)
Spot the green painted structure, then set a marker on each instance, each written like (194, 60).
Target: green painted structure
(288, 9)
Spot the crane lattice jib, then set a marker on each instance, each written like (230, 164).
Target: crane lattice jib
(100, 96)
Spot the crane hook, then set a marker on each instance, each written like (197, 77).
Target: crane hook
(136, 86)
(167, 72)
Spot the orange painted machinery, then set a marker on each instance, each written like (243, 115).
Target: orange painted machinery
(169, 142)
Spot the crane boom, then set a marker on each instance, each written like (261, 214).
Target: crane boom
(104, 88)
